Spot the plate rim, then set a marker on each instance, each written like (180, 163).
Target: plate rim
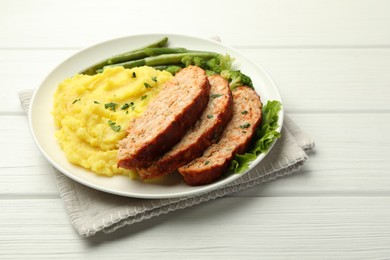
(202, 189)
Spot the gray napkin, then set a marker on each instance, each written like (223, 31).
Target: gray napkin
(91, 211)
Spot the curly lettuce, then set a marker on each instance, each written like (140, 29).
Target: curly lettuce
(263, 138)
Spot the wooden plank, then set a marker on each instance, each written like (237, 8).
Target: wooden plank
(329, 80)
(312, 80)
(25, 70)
(17, 140)
(250, 228)
(274, 23)
(351, 158)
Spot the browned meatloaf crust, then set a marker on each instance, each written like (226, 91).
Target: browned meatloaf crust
(235, 139)
(166, 119)
(206, 131)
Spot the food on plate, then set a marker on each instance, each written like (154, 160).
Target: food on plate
(202, 134)
(91, 113)
(167, 118)
(235, 139)
(158, 109)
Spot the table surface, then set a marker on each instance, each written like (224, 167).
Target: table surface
(331, 63)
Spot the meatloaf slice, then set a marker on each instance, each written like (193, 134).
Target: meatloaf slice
(206, 131)
(166, 119)
(235, 139)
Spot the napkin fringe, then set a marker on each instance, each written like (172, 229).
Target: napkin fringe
(67, 193)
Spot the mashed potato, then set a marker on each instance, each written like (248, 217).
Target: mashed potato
(92, 113)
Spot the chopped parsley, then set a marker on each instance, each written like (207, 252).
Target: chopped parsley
(147, 85)
(154, 79)
(143, 97)
(215, 95)
(209, 116)
(206, 162)
(246, 125)
(76, 100)
(114, 126)
(125, 106)
(111, 106)
(96, 102)
(244, 112)
(133, 75)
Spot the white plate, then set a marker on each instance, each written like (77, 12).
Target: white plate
(42, 124)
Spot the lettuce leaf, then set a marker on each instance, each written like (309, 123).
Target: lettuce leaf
(263, 138)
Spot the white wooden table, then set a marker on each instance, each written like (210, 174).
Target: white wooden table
(331, 62)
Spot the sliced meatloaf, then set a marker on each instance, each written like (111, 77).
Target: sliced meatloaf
(206, 131)
(167, 118)
(235, 139)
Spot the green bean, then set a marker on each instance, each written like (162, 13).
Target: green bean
(164, 50)
(124, 57)
(164, 59)
(164, 67)
(160, 43)
(129, 56)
